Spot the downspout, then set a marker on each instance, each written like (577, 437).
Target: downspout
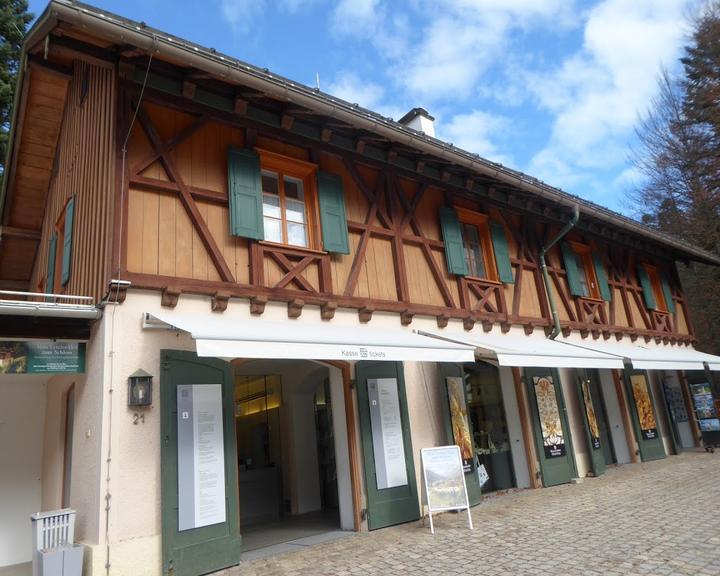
(543, 266)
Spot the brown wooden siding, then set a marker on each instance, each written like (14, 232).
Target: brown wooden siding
(85, 168)
(397, 260)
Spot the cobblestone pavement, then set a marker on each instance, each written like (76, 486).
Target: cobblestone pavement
(656, 518)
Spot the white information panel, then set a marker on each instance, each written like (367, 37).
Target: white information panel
(201, 456)
(387, 433)
(444, 481)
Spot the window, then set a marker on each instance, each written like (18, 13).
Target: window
(657, 288)
(581, 270)
(288, 201)
(477, 244)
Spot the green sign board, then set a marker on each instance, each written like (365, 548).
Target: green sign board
(42, 357)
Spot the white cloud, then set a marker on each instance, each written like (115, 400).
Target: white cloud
(596, 94)
(356, 17)
(241, 13)
(350, 87)
(480, 133)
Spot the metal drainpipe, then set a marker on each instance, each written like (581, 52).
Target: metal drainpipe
(543, 266)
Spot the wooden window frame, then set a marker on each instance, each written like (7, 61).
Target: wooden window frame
(59, 230)
(305, 172)
(654, 276)
(585, 253)
(482, 223)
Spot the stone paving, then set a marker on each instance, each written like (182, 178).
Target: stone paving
(656, 518)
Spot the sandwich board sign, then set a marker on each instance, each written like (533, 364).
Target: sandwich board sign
(444, 481)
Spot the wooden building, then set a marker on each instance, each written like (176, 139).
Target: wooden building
(327, 289)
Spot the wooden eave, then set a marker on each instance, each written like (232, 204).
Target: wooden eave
(30, 171)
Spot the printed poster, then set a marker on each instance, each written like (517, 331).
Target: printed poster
(41, 357)
(550, 424)
(644, 406)
(459, 421)
(444, 478)
(707, 416)
(591, 417)
(387, 433)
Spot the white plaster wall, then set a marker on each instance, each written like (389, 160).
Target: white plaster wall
(512, 414)
(573, 412)
(427, 426)
(342, 453)
(615, 419)
(22, 414)
(684, 428)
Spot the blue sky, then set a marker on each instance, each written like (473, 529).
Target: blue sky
(550, 87)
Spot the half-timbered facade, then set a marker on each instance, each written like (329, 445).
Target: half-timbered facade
(335, 261)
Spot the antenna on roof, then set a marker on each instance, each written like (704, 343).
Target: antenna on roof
(317, 80)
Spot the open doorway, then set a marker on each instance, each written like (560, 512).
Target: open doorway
(292, 453)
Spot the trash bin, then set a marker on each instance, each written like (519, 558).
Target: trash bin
(54, 551)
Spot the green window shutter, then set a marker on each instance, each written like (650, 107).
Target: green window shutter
(245, 194)
(67, 241)
(502, 252)
(573, 275)
(452, 236)
(332, 213)
(647, 288)
(601, 276)
(668, 294)
(50, 279)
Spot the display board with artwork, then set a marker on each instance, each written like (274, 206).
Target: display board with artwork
(591, 416)
(550, 423)
(707, 416)
(643, 404)
(444, 481)
(459, 420)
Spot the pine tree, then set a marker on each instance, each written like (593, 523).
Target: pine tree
(14, 20)
(679, 155)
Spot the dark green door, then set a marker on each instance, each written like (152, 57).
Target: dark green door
(644, 415)
(458, 427)
(392, 496)
(666, 401)
(552, 433)
(200, 531)
(587, 383)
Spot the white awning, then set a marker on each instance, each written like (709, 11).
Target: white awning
(227, 337)
(666, 357)
(510, 350)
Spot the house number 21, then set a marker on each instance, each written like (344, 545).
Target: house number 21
(138, 418)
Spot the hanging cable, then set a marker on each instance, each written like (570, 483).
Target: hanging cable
(108, 460)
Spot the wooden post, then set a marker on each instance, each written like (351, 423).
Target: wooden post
(526, 425)
(627, 420)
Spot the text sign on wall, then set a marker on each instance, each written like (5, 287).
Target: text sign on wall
(201, 456)
(387, 433)
(42, 357)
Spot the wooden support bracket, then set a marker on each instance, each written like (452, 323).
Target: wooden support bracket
(595, 334)
(170, 296)
(529, 328)
(505, 327)
(365, 314)
(295, 308)
(117, 293)
(468, 323)
(257, 305)
(406, 317)
(487, 325)
(565, 331)
(219, 301)
(442, 321)
(327, 310)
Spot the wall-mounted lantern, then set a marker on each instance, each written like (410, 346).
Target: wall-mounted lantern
(140, 389)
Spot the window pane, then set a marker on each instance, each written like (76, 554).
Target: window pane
(473, 251)
(296, 234)
(271, 206)
(294, 188)
(295, 211)
(269, 182)
(582, 275)
(273, 230)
